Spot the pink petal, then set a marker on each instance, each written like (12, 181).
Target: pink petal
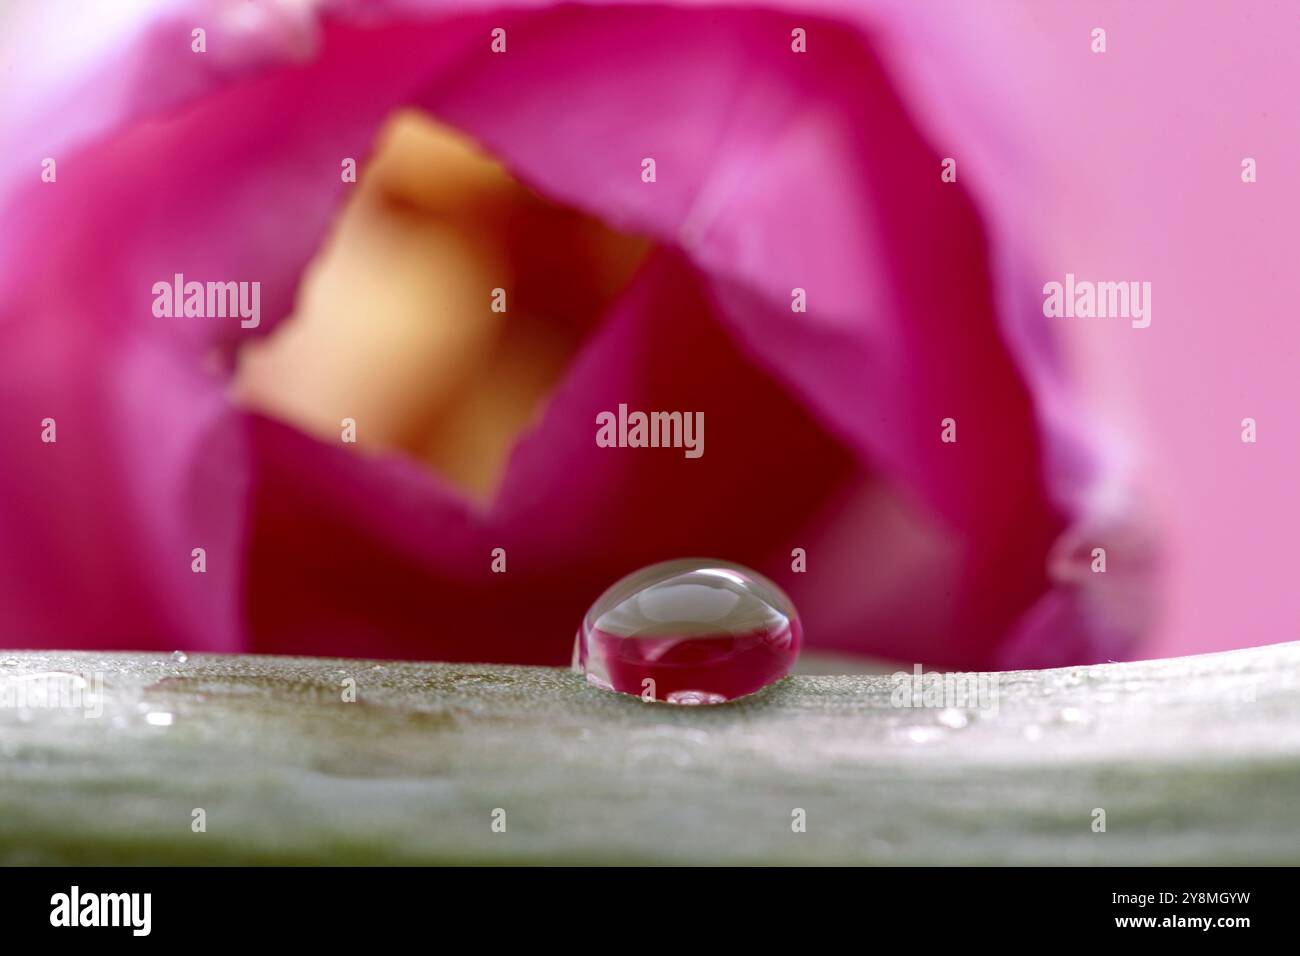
(775, 171)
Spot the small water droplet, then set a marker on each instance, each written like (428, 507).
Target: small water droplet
(953, 718)
(180, 657)
(1033, 732)
(1073, 715)
(924, 735)
(691, 631)
(159, 718)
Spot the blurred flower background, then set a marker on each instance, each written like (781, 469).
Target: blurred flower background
(776, 170)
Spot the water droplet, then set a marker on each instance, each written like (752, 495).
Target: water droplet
(180, 657)
(954, 718)
(691, 631)
(1073, 715)
(1033, 732)
(924, 735)
(159, 719)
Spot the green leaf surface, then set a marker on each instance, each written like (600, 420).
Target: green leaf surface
(1194, 760)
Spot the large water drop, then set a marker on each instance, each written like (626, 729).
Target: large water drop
(690, 631)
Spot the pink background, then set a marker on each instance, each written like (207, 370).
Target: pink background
(1143, 145)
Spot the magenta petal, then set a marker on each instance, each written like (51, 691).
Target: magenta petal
(779, 172)
(100, 525)
(356, 551)
(775, 171)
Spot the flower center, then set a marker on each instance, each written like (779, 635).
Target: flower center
(444, 307)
